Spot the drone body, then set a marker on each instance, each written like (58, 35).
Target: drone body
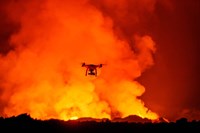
(91, 69)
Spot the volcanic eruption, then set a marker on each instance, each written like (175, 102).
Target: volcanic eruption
(41, 73)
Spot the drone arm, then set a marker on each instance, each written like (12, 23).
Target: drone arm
(95, 72)
(86, 71)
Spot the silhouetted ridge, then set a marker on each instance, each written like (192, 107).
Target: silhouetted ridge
(24, 123)
(132, 118)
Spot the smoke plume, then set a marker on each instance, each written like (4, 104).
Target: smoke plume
(41, 73)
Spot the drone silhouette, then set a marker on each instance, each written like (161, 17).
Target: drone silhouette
(91, 69)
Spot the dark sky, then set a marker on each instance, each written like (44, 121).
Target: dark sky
(172, 84)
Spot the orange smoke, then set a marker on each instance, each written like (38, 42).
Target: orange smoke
(42, 75)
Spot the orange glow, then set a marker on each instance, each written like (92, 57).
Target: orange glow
(44, 77)
(73, 118)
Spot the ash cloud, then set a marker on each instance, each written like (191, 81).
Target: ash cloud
(43, 69)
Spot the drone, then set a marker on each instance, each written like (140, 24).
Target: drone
(91, 69)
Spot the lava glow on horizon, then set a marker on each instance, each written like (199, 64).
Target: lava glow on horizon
(42, 74)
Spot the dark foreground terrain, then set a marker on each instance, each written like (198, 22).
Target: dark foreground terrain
(24, 123)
